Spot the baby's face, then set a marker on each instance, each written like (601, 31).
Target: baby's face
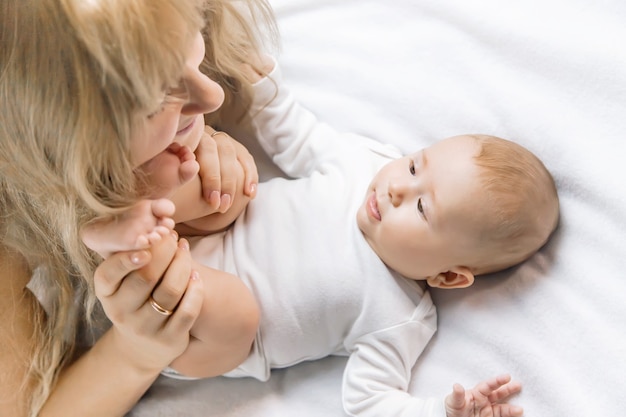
(419, 211)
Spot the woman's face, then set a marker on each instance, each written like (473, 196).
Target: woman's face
(178, 120)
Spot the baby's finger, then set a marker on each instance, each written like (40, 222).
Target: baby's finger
(505, 391)
(489, 386)
(456, 400)
(507, 410)
(228, 165)
(208, 159)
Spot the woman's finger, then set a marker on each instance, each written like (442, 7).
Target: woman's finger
(188, 308)
(110, 273)
(168, 293)
(135, 287)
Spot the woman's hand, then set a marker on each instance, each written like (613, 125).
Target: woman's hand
(129, 283)
(485, 399)
(220, 158)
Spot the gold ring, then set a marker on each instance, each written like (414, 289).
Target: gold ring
(218, 131)
(158, 308)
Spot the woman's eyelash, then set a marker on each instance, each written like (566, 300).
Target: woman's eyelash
(420, 208)
(161, 107)
(412, 167)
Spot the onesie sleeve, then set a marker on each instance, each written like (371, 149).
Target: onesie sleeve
(290, 134)
(378, 372)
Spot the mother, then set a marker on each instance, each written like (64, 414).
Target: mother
(82, 108)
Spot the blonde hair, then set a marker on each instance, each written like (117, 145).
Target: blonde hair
(75, 75)
(522, 201)
(230, 43)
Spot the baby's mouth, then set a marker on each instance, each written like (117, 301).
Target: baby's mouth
(372, 206)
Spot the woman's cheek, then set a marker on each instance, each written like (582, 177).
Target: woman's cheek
(155, 134)
(162, 174)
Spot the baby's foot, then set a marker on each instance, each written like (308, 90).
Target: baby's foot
(169, 170)
(139, 227)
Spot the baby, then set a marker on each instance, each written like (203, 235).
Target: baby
(338, 254)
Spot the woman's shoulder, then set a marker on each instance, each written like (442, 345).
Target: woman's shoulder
(15, 275)
(18, 309)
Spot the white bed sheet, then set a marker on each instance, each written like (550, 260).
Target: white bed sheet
(550, 74)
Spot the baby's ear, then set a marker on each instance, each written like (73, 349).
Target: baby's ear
(457, 277)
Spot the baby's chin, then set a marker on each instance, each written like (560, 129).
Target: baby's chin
(361, 216)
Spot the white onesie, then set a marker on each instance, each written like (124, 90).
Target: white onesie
(321, 289)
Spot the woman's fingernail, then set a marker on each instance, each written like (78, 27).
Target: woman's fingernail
(226, 201)
(252, 189)
(214, 199)
(138, 258)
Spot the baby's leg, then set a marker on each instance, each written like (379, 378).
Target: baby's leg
(222, 335)
(137, 228)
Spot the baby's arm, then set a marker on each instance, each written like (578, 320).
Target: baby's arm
(377, 377)
(136, 228)
(210, 223)
(378, 374)
(484, 400)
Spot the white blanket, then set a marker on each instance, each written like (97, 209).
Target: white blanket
(550, 74)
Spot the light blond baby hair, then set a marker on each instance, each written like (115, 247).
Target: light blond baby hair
(522, 202)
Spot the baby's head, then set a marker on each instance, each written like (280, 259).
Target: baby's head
(467, 205)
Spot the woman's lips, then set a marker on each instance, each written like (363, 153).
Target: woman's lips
(372, 207)
(186, 128)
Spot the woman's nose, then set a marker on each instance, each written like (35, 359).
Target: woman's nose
(204, 94)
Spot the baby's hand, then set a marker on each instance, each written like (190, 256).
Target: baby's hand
(224, 165)
(484, 400)
(139, 227)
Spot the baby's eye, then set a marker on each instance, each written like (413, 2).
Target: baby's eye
(412, 167)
